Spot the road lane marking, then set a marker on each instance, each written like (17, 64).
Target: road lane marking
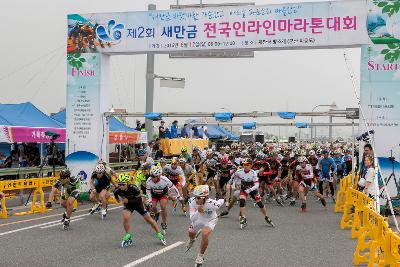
(47, 223)
(59, 223)
(154, 254)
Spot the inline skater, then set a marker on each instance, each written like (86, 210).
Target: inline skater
(129, 195)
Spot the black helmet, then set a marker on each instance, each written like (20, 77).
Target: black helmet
(65, 174)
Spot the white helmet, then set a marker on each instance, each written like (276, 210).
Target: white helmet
(311, 153)
(201, 191)
(100, 168)
(155, 171)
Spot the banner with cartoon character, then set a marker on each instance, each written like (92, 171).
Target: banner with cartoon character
(380, 87)
(296, 25)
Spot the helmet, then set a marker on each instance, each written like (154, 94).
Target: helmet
(65, 174)
(196, 149)
(210, 152)
(123, 178)
(182, 160)
(141, 152)
(224, 161)
(100, 168)
(201, 191)
(183, 149)
(246, 161)
(302, 159)
(280, 157)
(311, 153)
(155, 171)
(319, 151)
(337, 151)
(325, 151)
(174, 160)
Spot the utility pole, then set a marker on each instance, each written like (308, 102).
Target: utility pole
(150, 88)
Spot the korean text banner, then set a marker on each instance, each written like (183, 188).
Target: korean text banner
(380, 87)
(300, 25)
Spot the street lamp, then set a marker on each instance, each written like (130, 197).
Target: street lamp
(314, 129)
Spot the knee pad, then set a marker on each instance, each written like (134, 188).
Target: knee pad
(242, 203)
(260, 204)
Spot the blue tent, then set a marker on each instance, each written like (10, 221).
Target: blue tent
(3, 121)
(218, 132)
(61, 117)
(114, 124)
(117, 126)
(26, 114)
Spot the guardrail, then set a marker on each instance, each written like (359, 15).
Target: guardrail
(377, 244)
(28, 170)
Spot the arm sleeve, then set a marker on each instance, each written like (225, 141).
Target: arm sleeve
(148, 192)
(217, 203)
(173, 187)
(256, 183)
(183, 176)
(193, 213)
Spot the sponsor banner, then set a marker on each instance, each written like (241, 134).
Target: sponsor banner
(297, 25)
(380, 86)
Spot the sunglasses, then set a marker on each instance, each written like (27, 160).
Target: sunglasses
(122, 184)
(198, 198)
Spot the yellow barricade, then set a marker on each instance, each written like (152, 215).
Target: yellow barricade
(345, 183)
(393, 258)
(362, 202)
(33, 183)
(372, 239)
(349, 208)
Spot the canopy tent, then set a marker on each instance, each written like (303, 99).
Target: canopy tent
(218, 132)
(26, 123)
(118, 131)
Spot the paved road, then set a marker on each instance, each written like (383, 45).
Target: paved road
(310, 239)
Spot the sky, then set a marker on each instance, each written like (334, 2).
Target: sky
(33, 68)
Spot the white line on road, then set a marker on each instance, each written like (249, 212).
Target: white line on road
(59, 223)
(43, 224)
(152, 255)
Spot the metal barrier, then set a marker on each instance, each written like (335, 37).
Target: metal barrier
(34, 183)
(377, 244)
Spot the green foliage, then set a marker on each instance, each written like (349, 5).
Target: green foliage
(75, 60)
(392, 53)
(389, 7)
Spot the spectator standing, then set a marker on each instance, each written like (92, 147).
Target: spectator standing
(162, 130)
(174, 129)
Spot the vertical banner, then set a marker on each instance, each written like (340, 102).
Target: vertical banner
(84, 117)
(380, 88)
